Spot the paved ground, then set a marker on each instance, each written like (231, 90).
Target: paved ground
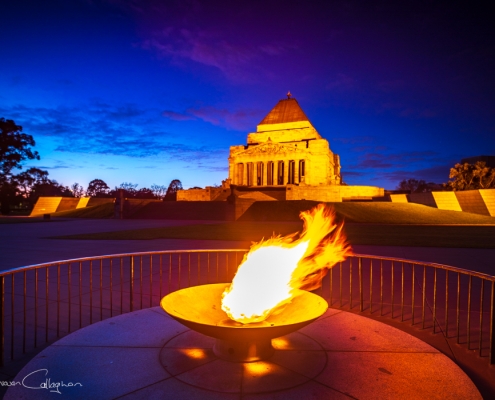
(26, 244)
(148, 355)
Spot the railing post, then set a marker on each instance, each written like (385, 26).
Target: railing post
(131, 294)
(2, 315)
(360, 267)
(492, 327)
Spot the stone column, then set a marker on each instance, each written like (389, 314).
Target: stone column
(306, 170)
(286, 172)
(275, 173)
(265, 173)
(244, 174)
(296, 171)
(232, 170)
(255, 173)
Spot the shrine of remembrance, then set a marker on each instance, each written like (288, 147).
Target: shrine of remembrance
(285, 154)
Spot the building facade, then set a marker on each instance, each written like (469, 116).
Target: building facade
(285, 150)
(286, 154)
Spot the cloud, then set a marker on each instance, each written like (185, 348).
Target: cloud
(215, 169)
(177, 116)
(236, 60)
(240, 120)
(436, 174)
(98, 128)
(212, 34)
(355, 139)
(384, 161)
(52, 167)
(392, 85)
(352, 173)
(342, 83)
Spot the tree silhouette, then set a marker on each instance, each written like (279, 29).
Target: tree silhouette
(171, 194)
(97, 188)
(471, 176)
(28, 179)
(418, 186)
(144, 193)
(15, 147)
(159, 191)
(77, 190)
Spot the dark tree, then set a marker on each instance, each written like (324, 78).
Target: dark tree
(418, 186)
(97, 188)
(471, 176)
(8, 196)
(51, 188)
(77, 190)
(144, 193)
(15, 147)
(128, 188)
(171, 194)
(159, 191)
(28, 179)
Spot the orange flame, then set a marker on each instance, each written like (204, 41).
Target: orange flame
(274, 270)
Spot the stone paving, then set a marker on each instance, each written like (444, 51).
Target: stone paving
(26, 244)
(148, 355)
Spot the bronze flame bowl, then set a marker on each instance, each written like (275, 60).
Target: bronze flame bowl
(199, 308)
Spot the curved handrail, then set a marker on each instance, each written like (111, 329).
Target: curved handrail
(110, 256)
(157, 252)
(430, 264)
(136, 280)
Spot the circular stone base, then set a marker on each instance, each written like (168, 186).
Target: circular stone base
(233, 351)
(286, 368)
(148, 355)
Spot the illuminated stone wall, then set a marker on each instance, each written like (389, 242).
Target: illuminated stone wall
(49, 205)
(488, 196)
(45, 205)
(473, 201)
(333, 193)
(207, 194)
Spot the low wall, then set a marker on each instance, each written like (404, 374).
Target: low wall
(187, 210)
(332, 193)
(473, 201)
(68, 203)
(207, 194)
(488, 196)
(45, 205)
(50, 205)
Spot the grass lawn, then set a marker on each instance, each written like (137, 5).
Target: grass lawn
(388, 224)
(244, 231)
(369, 234)
(101, 211)
(367, 212)
(21, 220)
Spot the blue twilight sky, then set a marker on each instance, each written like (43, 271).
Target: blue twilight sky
(149, 91)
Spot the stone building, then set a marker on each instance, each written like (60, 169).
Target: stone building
(285, 150)
(285, 159)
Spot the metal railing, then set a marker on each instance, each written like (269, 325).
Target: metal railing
(41, 303)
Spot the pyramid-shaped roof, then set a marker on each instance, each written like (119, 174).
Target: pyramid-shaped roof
(286, 110)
